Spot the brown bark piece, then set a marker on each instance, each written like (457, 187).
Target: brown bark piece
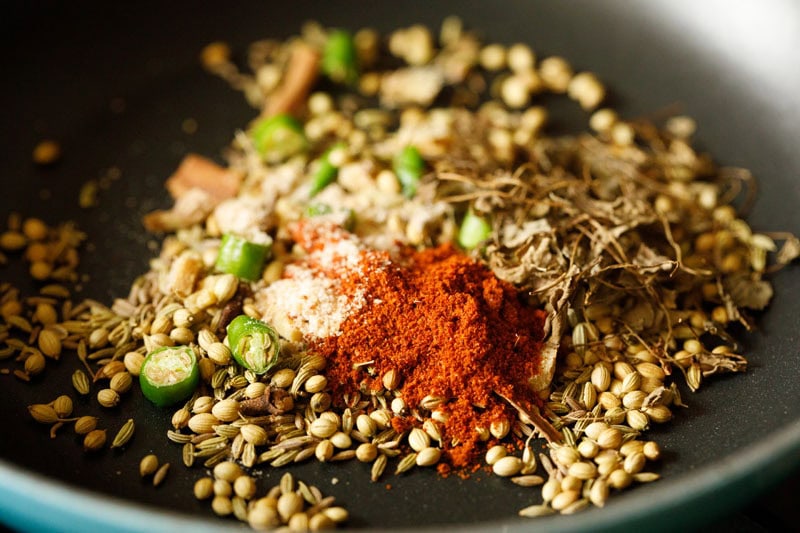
(297, 81)
(198, 172)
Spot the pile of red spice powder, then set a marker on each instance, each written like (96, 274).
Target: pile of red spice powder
(449, 327)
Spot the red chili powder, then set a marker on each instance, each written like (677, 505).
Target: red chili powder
(449, 327)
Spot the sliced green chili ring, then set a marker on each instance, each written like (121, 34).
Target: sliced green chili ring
(474, 230)
(326, 172)
(254, 344)
(242, 258)
(339, 58)
(408, 166)
(278, 137)
(169, 375)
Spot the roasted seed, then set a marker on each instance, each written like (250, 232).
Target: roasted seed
(598, 493)
(244, 487)
(646, 477)
(49, 343)
(85, 424)
(609, 438)
(223, 488)
(528, 480)
(202, 404)
(203, 423)
(204, 488)
(575, 506)
(108, 398)
(63, 406)
(619, 479)
(535, 511)
(188, 454)
(323, 428)
(121, 382)
(637, 420)
(227, 410)
(124, 435)
(583, 470)
(550, 489)
(499, 428)
(563, 499)
(289, 504)
(94, 440)
(263, 518)
(219, 353)
(222, 505)
(507, 466)
(160, 474)
(566, 455)
(651, 450)
(428, 456)
(588, 448)
(43, 413)
(378, 467)
(253, 434)
(227, 471)
(133, 362)
(316, 384)
(418, 439)
(148, 465)
(337, 514)
(658, 413)
(494, 454)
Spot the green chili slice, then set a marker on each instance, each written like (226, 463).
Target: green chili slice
(254, 344)
(278, 137)
(326, 172)
(242, 258)
(169, 374)
(474, 230)
(339, 58)
(408, 166)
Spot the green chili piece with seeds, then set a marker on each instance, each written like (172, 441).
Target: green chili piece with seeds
(169, 374)
(254, 344)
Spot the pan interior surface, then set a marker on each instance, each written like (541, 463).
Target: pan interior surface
(114, 82)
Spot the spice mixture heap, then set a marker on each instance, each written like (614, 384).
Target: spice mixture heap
(400, 266)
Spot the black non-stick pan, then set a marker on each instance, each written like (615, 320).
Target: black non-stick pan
(113, 82)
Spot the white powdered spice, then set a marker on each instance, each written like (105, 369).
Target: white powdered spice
(310, 298)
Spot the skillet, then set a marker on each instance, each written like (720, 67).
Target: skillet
(113, 82)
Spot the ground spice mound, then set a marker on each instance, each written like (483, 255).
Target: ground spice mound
(451, 329)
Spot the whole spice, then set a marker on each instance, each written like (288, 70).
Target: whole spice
(124, 435)
(63, 406)
(160, 475)
(94, 440)
(85, 424)
(148, 465)
(108, 398)
(169, 374)
(254, 344)
(43, 413)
